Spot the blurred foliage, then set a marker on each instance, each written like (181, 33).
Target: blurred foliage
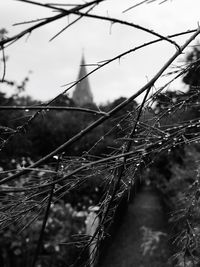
(67, 216)
(192, 77)
(175, 172)
(64, 222)
(44, 137)
(181, 191)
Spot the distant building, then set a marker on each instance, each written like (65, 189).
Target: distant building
(82, 94)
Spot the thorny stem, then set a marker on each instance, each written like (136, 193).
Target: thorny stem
(85, 166)
(70, 24)
(113, 20)
(46, 21)
(109, 114)
(24, 127)
(138, 4)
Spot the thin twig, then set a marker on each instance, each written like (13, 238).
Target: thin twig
(47, 108)
(109, 114)
(136, 5)
(69, 25)
(119, 171)
(83, 167)
(23, 128)
(113, 20)
(48, 20)
(30, 21)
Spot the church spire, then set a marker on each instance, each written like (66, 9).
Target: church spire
(82, 94)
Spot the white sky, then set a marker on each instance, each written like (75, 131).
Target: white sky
(56, 63)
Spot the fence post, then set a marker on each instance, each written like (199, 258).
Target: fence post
(92, 223)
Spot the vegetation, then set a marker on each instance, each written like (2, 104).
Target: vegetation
(50, 176)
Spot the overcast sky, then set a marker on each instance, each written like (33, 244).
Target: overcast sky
(56, 63)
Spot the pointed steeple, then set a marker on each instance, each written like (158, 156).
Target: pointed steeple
(82, 94)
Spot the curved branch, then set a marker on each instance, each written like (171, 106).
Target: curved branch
(46, 21)
(113, 20)
(24, 127)
(109, 114)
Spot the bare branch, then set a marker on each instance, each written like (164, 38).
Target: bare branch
(46, 21)
(102, 64)
(113, 20)
(143, 2)
(58, 108)
(70, 24)
(111, 113)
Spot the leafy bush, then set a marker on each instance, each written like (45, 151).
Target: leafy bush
(64, 222)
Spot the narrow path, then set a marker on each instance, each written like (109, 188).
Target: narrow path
(144, 223)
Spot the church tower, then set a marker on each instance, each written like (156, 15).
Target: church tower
(82, 94)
